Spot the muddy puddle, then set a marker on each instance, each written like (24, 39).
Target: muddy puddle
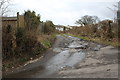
(65, 59)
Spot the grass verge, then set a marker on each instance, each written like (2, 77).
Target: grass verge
(114, 43)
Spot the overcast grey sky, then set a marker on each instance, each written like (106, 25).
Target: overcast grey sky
(65, 12)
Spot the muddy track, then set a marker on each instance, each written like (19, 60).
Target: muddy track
(71, 57)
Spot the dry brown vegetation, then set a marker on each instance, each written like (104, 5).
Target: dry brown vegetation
(106, 32)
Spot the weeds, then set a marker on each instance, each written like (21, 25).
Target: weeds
(29, 44)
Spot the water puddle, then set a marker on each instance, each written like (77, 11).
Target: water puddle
(74, 59)
(63, 60)
(97, 48)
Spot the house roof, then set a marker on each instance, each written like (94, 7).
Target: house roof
(9, 18)
(59, 26)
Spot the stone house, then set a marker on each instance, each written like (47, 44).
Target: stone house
(13, 22)
(9, 28)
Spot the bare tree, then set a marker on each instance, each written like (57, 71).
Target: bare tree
(4, 5)
(114, 10)
(86, 20)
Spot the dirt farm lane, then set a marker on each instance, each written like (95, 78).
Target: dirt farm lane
(71, 57)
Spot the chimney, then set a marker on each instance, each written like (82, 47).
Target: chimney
(17, 19)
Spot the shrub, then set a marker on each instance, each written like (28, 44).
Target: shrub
(49, 27)
(27, 42)
(8, 42)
